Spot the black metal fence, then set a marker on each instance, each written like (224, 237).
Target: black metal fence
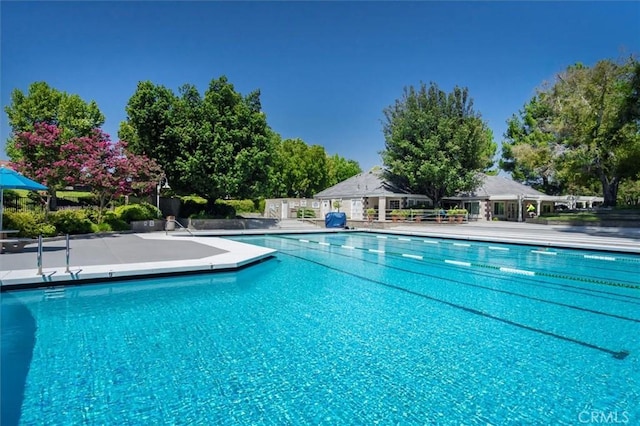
(12, 203)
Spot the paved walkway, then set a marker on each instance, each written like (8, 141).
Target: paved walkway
(99, 257)
(594, 238)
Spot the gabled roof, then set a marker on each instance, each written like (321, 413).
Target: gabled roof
(492, 186)
(367, 184)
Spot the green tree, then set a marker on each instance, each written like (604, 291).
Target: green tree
(435, 143)
(596, 114)
(42, 108)
(43, 104)
(340, 169)
(530, 150)
(301, 169)
(149, 127)
(629, 192)
(216, 146)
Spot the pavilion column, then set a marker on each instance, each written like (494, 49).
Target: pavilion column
(520, 201)
(382, 209)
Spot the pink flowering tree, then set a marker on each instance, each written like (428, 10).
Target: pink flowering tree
(108, 168)
(41, 158)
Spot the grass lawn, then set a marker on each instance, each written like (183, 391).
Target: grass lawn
(566, 217)
(59, 194)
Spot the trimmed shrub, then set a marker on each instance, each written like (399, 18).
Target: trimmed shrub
(101, 227)
(29, 224)
(191, 206)
(131, 212)
(202, 215)
(262, 205)
(152, 212)
(70, 222)
(219, 211)
(240, 206)
(91, 214)
(223, 211)
(111, 219)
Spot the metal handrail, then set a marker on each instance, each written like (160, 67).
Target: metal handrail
(166, 231)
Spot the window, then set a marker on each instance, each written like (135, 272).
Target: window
(498, 208)
(394, 204)
(472, 207)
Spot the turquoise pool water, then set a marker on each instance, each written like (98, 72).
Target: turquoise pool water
(337, 329)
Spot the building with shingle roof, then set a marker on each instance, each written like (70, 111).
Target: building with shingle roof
(501, 198)
(368, 190)
(496, 198)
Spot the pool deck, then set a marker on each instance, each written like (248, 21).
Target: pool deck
(617, 239)
(119, 256)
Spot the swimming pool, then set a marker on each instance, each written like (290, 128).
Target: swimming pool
(350, 328)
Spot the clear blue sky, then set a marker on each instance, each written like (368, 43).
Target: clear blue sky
(326, 70)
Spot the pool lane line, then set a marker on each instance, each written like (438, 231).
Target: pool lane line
(509, 293)
(457, 262)
(608, 258)
(601, 263)
(598, 280)
(517, 271)
(412, 256)
(526, 250)
(622, 298)
(507, 269)
(548, 253)
(563, 287)
(620, 258)
(620, 355)
(487, 266)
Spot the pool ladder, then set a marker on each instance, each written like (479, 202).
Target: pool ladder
(53, 293)
(166, 230)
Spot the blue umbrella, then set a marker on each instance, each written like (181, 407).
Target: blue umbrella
(10, 179)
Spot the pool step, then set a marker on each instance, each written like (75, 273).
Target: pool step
(54, 293)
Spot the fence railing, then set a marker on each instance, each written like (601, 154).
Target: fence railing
(420, 215)
(27, 204)
(22, 204)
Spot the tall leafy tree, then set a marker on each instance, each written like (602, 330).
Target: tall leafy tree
(217, 145)
(629, 192)
(91, 160)
(109, 169)
(53, 118)
(43, 104)
(230, 154)
(302, 168)
(596, 114)
(435, 143)
(339, 169)
(530, 151)
(149, 128)
(43, 156)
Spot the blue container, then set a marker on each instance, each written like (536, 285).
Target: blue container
(335, 220)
